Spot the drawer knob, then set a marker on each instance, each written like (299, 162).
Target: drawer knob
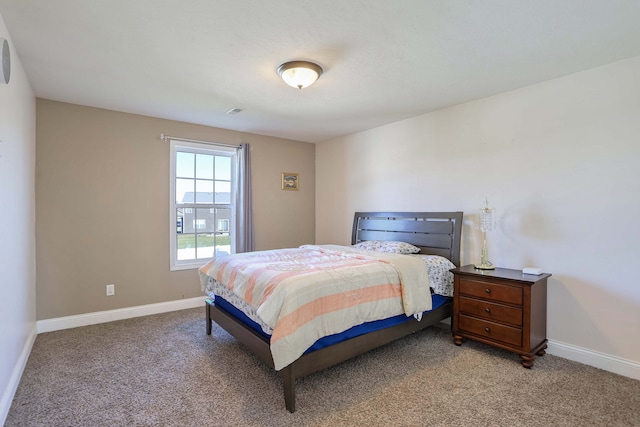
(487, 310)
(487, 330)
(488, 290)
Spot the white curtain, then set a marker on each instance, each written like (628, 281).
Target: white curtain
(245, 241)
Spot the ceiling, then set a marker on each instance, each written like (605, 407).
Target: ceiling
(383, 60)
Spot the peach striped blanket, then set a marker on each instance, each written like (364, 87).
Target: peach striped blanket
(310, 292)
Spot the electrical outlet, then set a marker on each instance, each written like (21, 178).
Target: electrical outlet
(111, 290)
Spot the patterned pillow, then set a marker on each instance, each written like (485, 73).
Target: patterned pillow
(440, 278)
(387, 246)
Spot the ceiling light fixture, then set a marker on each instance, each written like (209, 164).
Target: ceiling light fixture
(299, 73)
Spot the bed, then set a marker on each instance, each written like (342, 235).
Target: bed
(433, 233)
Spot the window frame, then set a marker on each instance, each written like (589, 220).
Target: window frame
(208, 149)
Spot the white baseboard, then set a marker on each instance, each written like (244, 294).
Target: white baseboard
(50, 325)
(14, 381)
(617, 365)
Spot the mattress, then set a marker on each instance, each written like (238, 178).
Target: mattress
(365, 328)
(438, 270)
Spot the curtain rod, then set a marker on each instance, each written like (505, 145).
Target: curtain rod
(167, 137)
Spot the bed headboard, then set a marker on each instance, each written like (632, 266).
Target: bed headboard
(435, 233)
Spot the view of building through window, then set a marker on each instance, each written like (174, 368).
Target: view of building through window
(203, 203)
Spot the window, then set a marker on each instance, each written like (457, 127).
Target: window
(202, 203)
(223, 225)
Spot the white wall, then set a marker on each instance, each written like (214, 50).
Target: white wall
(17, 229)
(559, 160)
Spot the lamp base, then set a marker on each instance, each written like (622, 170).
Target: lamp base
(487, 266)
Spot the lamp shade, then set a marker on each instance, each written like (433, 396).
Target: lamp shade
(299, 74)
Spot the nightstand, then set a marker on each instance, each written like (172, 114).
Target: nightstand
(503, 308)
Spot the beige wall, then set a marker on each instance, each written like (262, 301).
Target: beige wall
(561, 163)
(102, 206)
(17, 229)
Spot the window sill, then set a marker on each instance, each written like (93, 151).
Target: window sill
(189, 266)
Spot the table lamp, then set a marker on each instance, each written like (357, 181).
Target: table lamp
(487, 222)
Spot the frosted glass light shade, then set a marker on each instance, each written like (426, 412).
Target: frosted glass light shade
(299, 74)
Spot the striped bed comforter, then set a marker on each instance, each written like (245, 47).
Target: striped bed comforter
(307, 293)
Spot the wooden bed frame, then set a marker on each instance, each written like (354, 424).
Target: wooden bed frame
(436, 233)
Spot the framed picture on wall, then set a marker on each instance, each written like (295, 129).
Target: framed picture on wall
(290, 181)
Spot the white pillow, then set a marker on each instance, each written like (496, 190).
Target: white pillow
(387, 246)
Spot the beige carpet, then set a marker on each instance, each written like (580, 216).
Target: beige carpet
(163, 370)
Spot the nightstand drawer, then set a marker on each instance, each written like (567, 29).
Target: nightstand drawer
(491, 311)
(494, 331)
(492, 291)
